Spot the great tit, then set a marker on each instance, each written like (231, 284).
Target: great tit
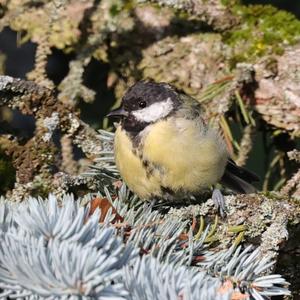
(164, 148)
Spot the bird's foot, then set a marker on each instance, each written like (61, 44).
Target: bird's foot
(219, 201)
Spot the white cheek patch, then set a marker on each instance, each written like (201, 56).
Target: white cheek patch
(154, 112)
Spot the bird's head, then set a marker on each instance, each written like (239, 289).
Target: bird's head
(145, 103)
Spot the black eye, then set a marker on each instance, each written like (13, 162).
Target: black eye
(142, 104)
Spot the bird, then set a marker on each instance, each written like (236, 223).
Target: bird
(164, 148)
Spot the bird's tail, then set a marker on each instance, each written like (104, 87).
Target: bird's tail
(239, 179)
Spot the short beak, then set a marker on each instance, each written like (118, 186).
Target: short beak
(119, 112)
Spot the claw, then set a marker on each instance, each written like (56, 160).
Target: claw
(219, 201)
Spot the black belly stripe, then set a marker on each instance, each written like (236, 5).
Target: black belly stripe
(148, 167)
(166, 190)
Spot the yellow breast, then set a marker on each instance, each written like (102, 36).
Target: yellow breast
(132, 169)
(187, 160)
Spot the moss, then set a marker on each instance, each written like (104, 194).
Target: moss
(229, 3)
(117, 7)
(263, 30)
(35, 24)
(7, 173)
(39, 188)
